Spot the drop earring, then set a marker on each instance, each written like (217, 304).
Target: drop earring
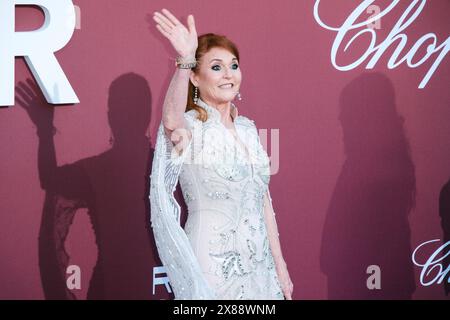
(195, 95)
(239, 96)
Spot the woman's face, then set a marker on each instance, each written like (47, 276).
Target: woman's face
(217, 68)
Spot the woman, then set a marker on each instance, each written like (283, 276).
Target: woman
(229, 247)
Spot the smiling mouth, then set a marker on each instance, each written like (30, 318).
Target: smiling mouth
(226, 86)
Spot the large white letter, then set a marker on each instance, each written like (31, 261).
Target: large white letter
(38, 48)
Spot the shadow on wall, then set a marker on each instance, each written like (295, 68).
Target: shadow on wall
(444, 212)
(367, 219)
(113, 186)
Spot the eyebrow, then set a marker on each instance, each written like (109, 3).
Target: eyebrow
(222, 60)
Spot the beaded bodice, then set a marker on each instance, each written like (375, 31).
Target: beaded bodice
(223, 186)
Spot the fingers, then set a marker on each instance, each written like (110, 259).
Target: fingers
(27, 88)
(20, 101)
(191, 24)
(164, 32)
(164, 25)
(164, 19)
(171, 17)
(288, 288)
(33, 86)
(291, 287)
(23, 92)
(288, 293)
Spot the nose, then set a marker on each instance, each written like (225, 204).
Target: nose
(227, 73)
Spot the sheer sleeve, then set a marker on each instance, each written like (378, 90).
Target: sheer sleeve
(175, 251)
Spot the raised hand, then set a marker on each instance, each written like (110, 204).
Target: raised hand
(184, 40)
(31, 99)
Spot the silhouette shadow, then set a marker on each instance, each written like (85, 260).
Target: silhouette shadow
(113, 186)
(444, 212)
(367, 218)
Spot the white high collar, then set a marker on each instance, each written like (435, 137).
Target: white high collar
(214, 113)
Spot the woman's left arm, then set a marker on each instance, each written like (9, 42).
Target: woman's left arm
(275, 247)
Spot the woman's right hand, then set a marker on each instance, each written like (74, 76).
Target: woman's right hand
(183, 40)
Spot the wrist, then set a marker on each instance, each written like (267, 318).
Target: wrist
(187, 57)
(46, 131)
(185, 62)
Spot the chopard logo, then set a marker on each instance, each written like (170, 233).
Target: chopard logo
(396, 39)
(433, 269)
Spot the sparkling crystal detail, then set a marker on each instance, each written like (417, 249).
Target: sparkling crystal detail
(219, 195)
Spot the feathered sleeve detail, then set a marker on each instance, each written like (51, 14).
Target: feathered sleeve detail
(174, 248)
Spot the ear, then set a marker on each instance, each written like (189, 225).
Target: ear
(194, 79)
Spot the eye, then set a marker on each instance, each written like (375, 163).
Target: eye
(217, 67)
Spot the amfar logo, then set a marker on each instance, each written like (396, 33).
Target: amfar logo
(38, 48)
(396, 36)
(73, 281)
(433, 270)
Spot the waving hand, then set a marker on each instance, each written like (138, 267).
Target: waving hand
(184, 40)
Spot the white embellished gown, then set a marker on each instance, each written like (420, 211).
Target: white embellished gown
(223, 251)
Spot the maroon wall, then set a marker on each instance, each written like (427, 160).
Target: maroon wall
(363, 154)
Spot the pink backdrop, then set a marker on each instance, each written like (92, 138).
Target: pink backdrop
(363, 154)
